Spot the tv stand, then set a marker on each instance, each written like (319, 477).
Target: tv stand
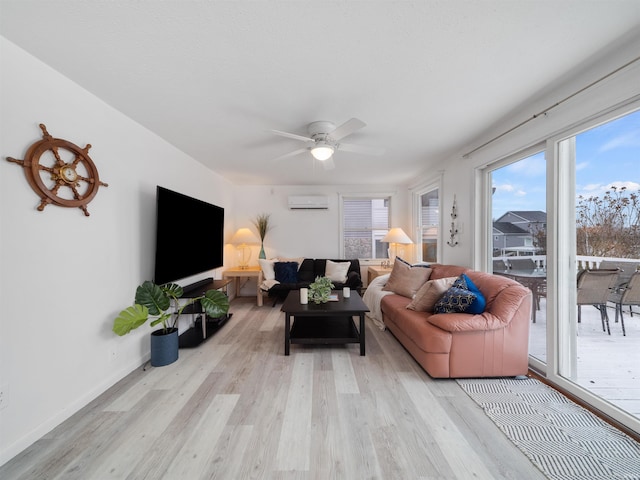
(203, 326)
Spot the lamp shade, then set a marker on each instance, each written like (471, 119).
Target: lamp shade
(322, 151)
(397, 235)
(244, 236)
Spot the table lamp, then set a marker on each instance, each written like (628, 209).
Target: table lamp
(394, 237)
(242, 239)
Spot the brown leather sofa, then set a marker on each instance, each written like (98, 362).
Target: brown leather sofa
(462, 345)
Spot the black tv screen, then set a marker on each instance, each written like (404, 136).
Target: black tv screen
(189, 236)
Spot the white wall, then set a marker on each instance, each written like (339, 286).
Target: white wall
(64, 276)
(307, 233)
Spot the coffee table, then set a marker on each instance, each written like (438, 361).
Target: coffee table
(324, 323)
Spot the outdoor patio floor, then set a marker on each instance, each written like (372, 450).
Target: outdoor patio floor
(608, 365)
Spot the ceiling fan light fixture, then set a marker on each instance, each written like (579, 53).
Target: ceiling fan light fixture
(322, 151)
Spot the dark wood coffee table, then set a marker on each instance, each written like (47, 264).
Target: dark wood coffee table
(324, 323)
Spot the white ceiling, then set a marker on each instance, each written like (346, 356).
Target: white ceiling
(213, 77)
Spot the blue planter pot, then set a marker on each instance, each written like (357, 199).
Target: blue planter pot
(164, 347)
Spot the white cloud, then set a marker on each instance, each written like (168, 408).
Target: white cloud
(581, 166)
(505, 187)
(630, 139)
(599, 189)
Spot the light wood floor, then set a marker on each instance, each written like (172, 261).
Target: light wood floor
(237, 408)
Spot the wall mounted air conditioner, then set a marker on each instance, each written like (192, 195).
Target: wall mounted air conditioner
(308, 202)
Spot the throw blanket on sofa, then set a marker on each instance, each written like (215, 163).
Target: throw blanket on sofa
(372, 297)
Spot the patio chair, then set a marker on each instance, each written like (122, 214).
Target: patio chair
(594, 288)
(499, 266)
(522, 264)
(629, 295)
(626, 269)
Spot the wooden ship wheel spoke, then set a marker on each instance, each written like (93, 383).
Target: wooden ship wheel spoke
(75, 182)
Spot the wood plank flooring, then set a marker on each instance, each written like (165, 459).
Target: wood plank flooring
(237, 408)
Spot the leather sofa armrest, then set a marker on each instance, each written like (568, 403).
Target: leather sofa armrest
(466, 322)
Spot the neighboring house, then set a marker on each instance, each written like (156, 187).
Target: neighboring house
(532, 222)
(509, 237)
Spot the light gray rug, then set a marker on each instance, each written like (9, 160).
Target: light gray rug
(562, 439)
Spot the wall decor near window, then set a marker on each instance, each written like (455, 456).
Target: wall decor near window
(453, 231)
(60, 172)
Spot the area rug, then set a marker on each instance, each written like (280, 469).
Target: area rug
(562, 439)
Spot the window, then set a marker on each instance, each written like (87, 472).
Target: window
(429, 225)
(365, 222)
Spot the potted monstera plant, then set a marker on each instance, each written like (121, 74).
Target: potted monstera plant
(160, 305)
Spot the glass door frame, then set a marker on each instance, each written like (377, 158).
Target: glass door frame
(561, 252)
(483, 236)
(561, 263)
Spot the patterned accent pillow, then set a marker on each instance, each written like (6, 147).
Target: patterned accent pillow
(286, 272)
(406, 279)
(430, 293)
(462, 297)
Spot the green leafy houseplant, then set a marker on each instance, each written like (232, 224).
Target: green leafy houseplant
(320, 290)
(160, 304)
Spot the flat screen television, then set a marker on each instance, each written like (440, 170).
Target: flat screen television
(189, 236)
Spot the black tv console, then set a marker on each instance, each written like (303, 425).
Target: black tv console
(203, 326)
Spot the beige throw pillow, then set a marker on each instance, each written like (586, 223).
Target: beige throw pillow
(267, 267)
(406, 279)
(337, 271)
(427, 296)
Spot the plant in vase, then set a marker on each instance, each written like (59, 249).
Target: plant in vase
(261, 222)
(320, 290)
(160, 304)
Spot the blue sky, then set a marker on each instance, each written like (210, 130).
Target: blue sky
(606, 155)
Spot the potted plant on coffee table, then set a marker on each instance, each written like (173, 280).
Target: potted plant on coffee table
(320, 290)
(160, 305)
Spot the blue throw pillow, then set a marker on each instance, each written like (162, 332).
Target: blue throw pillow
(462, 297)
(286, 272)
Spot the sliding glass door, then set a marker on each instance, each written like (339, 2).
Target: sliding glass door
(585, 327)
(519, 234)
(599, 347)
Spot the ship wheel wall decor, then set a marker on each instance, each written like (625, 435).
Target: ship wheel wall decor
(60, 172)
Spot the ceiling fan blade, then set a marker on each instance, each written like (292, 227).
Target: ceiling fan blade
(347, 128)
(292, 135)
(348, 147)
(292, 154)
(328, 164)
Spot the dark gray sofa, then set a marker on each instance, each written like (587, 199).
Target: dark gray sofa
(307, 273)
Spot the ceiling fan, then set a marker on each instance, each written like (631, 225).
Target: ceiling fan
(324, 140)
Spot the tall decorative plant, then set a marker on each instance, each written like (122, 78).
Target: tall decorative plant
(261, 222)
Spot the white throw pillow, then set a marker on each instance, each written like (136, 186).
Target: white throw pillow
(267, 268)
(337, 271)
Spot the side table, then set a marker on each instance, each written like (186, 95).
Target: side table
(375, 271)
(246, 273)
